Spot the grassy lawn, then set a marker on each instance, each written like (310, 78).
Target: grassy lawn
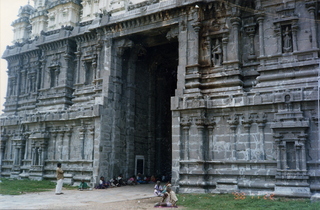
(229, 201)
(17, 187)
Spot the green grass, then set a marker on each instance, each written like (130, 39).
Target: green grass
(17, 187)
(229, 201)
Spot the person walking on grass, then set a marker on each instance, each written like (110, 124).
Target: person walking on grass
(59, 175)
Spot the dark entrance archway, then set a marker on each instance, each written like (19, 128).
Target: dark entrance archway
(165, 73)
(155, 70)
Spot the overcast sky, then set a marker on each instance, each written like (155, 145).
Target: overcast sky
(8, 13)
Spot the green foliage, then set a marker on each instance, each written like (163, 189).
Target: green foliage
(17, 187)
(229, 201)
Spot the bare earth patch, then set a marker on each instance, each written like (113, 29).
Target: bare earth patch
(146, 204)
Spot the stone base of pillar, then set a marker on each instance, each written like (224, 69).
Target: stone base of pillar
(315, 198)
(289, 190)
(36, 173)
(15, 172)
(68, 179)
(226, 186)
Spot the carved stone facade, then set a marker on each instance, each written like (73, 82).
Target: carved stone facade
(219, 95)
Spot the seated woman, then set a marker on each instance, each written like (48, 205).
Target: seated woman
(132, 180)
(164, 189)
(169, 199)
(120, 181)
(114, 182)
(158, 189)
(140, 179)
(102, 184)
(83, 185)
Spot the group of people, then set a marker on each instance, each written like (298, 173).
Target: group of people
(119, 181)
(113, 182)
(169, 197)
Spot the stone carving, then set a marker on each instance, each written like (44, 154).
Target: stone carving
(217, 53)
(287, 40)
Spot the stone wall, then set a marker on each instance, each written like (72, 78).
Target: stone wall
(224, 93)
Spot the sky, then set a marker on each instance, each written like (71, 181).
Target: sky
(8, 13)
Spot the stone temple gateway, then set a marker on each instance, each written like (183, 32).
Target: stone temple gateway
(222, 95)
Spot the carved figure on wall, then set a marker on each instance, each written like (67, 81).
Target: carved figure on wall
(217, 54)
(287, 44)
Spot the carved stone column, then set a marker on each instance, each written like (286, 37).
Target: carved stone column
(3, 143)
(261, 34)
(196, 27)
(225, 41)
(235, 21)
(278, 140)
(211, 124)
(54, 140)
(311, 6)
(201, 150)
(42, 68)
(294, 29)
(233, 122)
(301, 144)
(251, 31)
(69, 134)
(247, 121)
(60, 145)
(82, 139)
(78, 54)
(91, 132)
(261, 121)
(185, 124)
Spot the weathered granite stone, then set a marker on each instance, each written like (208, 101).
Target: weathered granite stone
(219, 96)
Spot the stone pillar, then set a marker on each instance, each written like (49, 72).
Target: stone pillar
(16, 154)
(183, 52)
(251, 31)
(3, 142)
(201, 151)
(225, 41)
(54, 140)
(82, 139)
(196, 24)
(294, 29)
(283, 157)
(43, 69)
(185, 124)
(235, 21)
(60, 147)
(69, 134)
(78, 59)
(302, 140)
(247, 125)
(119, 48)
(91, 132)
(261, 35)
(311, 6)
(211, 124)
(2, 148)
(277, 139)
(43, 146)
(261, 124)
(130, 117)
(233, 122)
(33, 153)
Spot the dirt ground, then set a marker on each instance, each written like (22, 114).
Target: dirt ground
(145, 204)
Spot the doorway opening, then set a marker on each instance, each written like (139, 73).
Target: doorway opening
(155, 84)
